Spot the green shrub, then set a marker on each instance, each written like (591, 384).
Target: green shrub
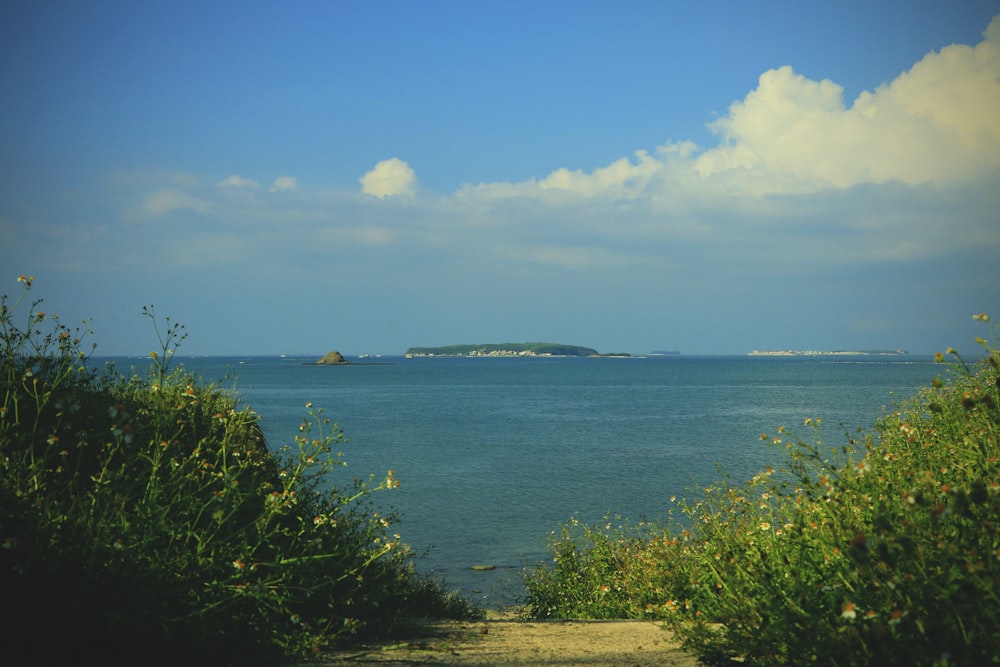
(144, 520)
(883, 551)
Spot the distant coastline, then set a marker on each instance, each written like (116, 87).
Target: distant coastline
(505, 350)
(826, 353)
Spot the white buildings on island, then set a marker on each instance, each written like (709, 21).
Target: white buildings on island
(482, 353)
(821, 353)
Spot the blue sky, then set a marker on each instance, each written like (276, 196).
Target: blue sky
(369, 176)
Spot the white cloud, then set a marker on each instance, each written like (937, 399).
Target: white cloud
(236, 181)
(389, 178)
(165, 201)
(284, 184)
(798, 179)
(937, 122)
(621, 178)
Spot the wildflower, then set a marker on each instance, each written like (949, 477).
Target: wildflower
(53, 439)
(896, 616)
(27, 280)
(239, 564)
(765, 526)
(982, 317)
(850, 611)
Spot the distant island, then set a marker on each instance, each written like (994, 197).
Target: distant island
(507, 350)
(820, 353)
(332, 359)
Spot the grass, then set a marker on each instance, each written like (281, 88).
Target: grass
(144, 519)
(881, 550)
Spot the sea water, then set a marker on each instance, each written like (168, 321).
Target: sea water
(493, 454)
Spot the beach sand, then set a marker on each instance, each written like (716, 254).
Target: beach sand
(504, 639)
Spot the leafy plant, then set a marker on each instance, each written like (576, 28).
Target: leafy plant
(882, 551)
(145, 519)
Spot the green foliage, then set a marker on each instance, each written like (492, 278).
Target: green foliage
(883, 551)
(144, 520)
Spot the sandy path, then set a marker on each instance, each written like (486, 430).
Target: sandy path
(503, 640)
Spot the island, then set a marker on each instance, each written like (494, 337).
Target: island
(821, 353)
(332, 359)
(504, 350)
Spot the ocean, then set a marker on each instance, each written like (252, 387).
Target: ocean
(493, 454)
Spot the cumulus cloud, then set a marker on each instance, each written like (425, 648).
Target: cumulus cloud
(798, 177)
(236, 181)
(389, 178)
(936, 122)
(165, 201)
(284, 184)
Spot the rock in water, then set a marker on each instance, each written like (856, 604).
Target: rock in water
(332, 358)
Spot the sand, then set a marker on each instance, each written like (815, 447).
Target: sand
(504, 639)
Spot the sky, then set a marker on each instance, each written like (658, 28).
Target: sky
(367, 176)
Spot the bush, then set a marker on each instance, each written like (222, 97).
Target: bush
(145, 519)
(883, 551)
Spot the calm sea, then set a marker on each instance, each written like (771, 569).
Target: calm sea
(494, 454)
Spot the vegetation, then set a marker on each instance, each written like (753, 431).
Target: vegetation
(882, 551)
(144, 520)
(503, 349)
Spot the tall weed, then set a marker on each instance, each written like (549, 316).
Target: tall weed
(884, 550)
(145, 519)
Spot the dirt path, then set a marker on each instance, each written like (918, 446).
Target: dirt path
(502, 639)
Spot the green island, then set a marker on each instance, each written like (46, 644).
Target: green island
(506, 350)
